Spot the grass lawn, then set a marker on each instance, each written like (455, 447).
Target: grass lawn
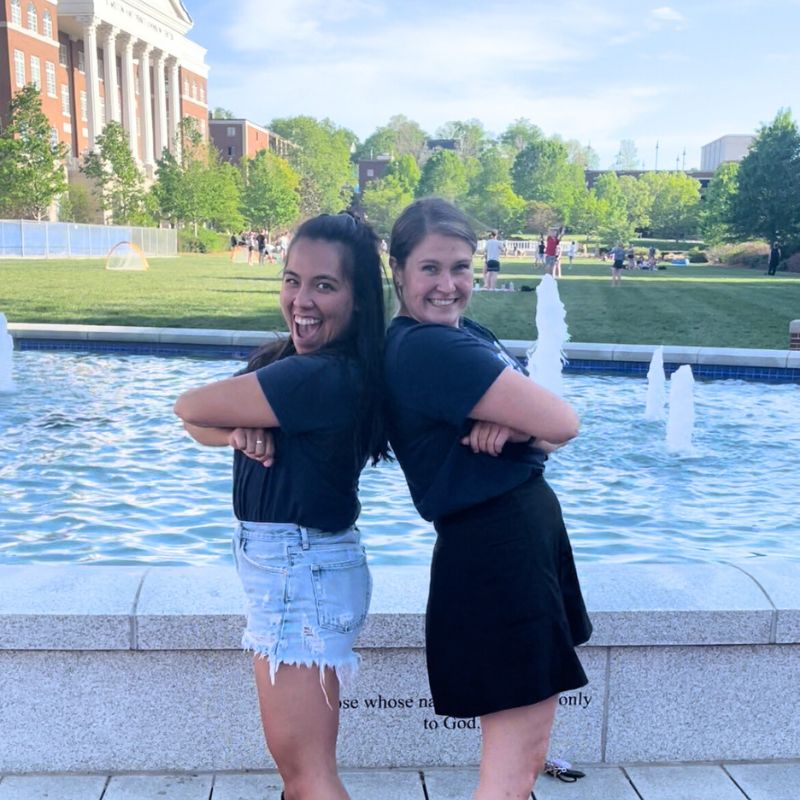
(695, 305)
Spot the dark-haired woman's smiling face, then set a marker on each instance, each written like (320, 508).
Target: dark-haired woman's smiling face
(316, 298)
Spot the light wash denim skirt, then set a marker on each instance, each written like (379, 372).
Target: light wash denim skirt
(308, 593)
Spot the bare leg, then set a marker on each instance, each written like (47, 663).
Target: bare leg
(301, 729)
(514, 748)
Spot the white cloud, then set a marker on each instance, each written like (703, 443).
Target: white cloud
(666, 14)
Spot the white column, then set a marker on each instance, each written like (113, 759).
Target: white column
(161, 130)
(95, 124)
(174, 105)
(145, 103)
(109, 33)
(129, 93)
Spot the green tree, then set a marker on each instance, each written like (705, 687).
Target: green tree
(767, 202)
(499, 208)
(383, 201)
(221, 113)
(536, 169)
(322, 160)
(583, 155)
(716, 210)
(469, 133)
(401, 136)
(444, 176)
(406, 171)
(200, 189)
(518, 135)
(76, 205)
(676, 204)
(270, 197)
(119, 183)
(627, 156)
(31, 158)
(638, 201)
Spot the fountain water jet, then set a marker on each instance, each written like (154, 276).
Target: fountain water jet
(6, 349)
(680, 423)
(546, 358)
(656, 387)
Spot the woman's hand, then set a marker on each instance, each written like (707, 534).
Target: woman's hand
(490, 438)
(255, 443)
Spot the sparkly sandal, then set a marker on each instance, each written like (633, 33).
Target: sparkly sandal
(561, 769)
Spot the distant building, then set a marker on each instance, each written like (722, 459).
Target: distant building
(235, 138)
(591, 175)
(372, 169)
(95, 61)
(443, 144)
(726, 148)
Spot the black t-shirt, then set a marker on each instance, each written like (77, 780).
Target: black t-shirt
(435, 375)
(314, 480)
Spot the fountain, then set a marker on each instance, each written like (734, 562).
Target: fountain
(656, 388)
(680, 423)
(546, 358)
(6, 349)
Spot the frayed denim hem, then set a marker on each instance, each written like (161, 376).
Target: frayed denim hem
(345, 669)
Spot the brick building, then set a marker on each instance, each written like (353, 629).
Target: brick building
(235, 138)
(102, 60)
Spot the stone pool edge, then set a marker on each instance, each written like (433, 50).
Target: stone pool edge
(138, 668)
(29, 333)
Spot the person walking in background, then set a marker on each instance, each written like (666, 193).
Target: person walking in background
(470, 431)
(774, 259)
(492, 261)
(617, 263)
(540, 251)
(303, 418)
(571, 250)
(553, 240)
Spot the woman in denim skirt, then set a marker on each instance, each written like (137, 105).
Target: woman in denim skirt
(303, 418)
(470, 431)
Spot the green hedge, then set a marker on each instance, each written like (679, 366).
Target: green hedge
(744, 254)
(205, 241)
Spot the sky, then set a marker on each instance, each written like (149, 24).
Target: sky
(677, 75)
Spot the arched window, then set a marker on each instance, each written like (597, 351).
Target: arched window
(33, 19)
(47, 24)
(16, 12)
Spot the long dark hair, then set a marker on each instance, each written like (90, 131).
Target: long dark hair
(429, 215)
(363, 340)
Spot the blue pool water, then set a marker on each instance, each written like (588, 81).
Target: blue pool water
(95, 468)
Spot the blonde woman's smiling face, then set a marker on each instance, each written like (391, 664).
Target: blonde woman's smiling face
(435, 284)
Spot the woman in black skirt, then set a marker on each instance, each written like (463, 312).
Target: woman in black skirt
(471, 433)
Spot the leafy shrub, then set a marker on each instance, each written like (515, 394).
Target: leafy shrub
(792, 263)
(745, 254)
(698, 256)
(205, 241)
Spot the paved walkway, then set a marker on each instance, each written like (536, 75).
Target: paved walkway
(779, 781)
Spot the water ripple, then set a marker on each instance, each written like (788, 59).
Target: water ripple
(94, 468)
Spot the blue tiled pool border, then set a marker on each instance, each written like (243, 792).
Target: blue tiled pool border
(241, 352)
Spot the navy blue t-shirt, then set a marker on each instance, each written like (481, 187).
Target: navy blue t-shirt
(314, 479)
(435, 375)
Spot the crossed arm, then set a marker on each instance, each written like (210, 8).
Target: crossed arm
(231, 413)
(514, 409)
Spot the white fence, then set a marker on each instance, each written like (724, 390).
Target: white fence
(22, 238)
(511, 247)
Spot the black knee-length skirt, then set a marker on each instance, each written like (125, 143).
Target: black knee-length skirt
(505, 610)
